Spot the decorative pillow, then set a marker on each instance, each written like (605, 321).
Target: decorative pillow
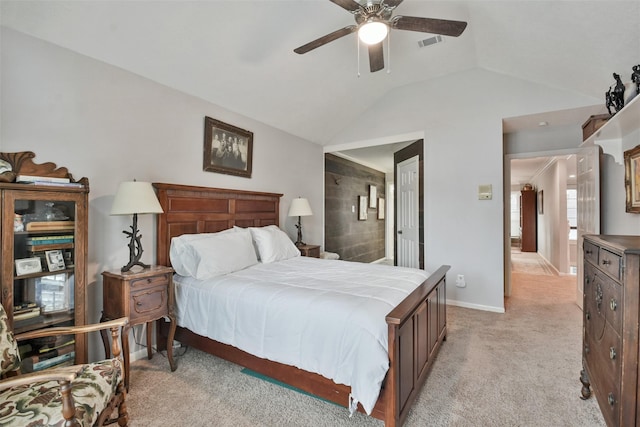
(273, 244)
(212, 254)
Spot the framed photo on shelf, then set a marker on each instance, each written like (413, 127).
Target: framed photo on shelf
(28, 266)
(363, 205)
(227, 149)
(373, 196)
(632, 179)
(55, 260)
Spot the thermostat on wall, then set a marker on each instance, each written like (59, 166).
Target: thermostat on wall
(484, 192)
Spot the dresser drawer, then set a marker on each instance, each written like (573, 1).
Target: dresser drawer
(591, 252)
(150, 302)
(149, 282)
(610, 263)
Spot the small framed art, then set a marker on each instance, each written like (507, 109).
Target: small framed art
(632, 179)
(380, 208)
(363, 205)
(373, 196)
(227, 149)
(55, 260)
(28, 266)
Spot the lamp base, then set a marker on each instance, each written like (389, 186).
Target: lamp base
(299, 242)
(135, 246)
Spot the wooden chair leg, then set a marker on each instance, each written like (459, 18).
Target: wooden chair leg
(123, 415)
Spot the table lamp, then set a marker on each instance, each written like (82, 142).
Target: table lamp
(133, 198)
(300, 207)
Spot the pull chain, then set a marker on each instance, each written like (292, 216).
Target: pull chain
(389, 51)
(358, 56)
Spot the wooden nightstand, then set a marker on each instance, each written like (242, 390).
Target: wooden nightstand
(143, 296)
(312, 251)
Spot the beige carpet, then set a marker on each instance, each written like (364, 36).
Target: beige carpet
(530, 263)
(515, 369)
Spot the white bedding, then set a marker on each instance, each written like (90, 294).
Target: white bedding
(323, 316)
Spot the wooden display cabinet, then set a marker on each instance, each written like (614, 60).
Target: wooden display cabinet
(43, 257)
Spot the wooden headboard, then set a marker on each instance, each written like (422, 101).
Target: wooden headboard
(191, 210)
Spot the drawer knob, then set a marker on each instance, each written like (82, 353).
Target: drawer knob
(612, 353)
(598, 296)
(613, 304)
(587, 315)
(611, 398)
(588, 251)
(586, 349)
(138, 303)
(606, 262)
(148, 280)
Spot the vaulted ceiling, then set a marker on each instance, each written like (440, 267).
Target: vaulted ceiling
(239, 54)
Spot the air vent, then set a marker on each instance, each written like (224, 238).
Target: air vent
(430, 41)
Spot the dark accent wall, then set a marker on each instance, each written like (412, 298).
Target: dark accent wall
(344, 234)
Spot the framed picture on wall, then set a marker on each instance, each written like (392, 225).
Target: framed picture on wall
(380, 208)
(363, 205)
(373, 197)
(632, 179)
(227, 149)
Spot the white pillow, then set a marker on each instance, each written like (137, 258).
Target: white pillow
(273, 244)
(212, 254)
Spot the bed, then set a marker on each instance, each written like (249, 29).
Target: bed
(416, 325)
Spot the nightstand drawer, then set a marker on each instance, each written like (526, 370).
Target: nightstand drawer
(148, 302)
(149, 282)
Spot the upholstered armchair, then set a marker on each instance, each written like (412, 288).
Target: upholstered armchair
(91, 394)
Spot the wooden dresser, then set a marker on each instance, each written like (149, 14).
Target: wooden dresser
(610, 326)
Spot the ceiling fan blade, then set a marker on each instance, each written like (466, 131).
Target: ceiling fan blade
(376, 57)
(392, 4)
(326, 39)
(349, 5)
(429, 25)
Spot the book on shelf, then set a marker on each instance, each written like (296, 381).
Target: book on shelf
(50, 225)
(37, 362)
(26, 314)
(19, 323)
(35, 178)
(46, 246)
(24, 305)
(56, 184)
(61, 341)
(45, 239)
(30, 361)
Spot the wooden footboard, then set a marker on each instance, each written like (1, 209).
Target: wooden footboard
(417, 326)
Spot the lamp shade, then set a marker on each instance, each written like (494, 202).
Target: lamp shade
(135, 197)
(300, 207)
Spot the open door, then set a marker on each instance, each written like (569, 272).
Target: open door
(409, 206)
(588, 203)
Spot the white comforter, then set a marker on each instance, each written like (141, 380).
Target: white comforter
(323, 316)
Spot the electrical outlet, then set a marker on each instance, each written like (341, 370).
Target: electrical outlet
(460, 282)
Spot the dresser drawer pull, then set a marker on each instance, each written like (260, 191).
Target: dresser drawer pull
(612, 353)
(138, 303)
(613, 304)
(611, 399)
(588, 315)
(606, 262)
(586, 349)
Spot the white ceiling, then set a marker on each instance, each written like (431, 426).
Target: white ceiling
(239, 54)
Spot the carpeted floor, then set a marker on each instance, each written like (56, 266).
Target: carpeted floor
(531, 263)
(520, 368)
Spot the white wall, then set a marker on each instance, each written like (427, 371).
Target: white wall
(111, 125)
(614, 219)
(461, 118)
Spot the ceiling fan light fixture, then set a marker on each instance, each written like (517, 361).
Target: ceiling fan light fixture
(373, 32)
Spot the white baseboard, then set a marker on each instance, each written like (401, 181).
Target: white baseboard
(475, 306)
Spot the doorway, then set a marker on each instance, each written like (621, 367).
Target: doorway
(554, 181)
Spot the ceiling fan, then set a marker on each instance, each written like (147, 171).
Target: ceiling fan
(373, 21)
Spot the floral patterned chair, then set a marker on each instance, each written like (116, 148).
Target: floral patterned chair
(92, 394)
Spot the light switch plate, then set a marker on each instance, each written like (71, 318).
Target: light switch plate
(484, 192)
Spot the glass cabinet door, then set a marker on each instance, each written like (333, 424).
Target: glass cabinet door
(44, 245)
